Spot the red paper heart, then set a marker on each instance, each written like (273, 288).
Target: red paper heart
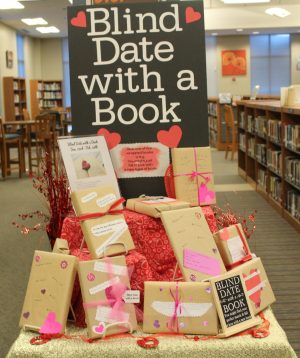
(170, 138)
(112, 139)
(251, 283)
(191, 15)
(79, 20)
(224, 234)
(26, 314)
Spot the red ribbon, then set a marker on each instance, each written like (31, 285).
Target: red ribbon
(110, 211)
(173, 322)
(247, 256)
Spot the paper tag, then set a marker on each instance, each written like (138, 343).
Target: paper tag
(183, 310)
(108, 227)
(100, 266)
(106, 200)
(205, 264)
(236, 248)
(89, 197)
(131, 296)
(159, 200)
(104, 285)
(103, 314)
(114, 238)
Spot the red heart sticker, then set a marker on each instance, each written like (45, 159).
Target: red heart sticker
(192, 15)
(79, 20)
(112, 139)
(253, 285)
(170, 138)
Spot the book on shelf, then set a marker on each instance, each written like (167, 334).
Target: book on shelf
(261, 125)
(293, 203)
(262, 178)
(16, 86)
(274, 160)
(274, 130)
(261, 153)
(292, 136)
(251, 124)
(242, 141)
(212, 109)
(292, 170)
(275, 188)
(251, 147)
(52, 86)
(212, 122)
(242, 123)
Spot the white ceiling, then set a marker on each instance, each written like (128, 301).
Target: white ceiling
(224, 19)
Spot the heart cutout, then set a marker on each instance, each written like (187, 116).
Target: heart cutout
(50, 325)
(206, 196)
(170, 138)
(251, 285)
(43, 291)
(79, 20)
(112, 139)
(26, 314)
(192, 15)
(100, 328)
(224, 234)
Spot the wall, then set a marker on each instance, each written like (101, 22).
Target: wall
(242, 84)
(211, 66)
(8, 42)
(51, 59)
(295, 54)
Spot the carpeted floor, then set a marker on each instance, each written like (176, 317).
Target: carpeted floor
(275, 241)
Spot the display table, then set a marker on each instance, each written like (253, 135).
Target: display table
(275, 345)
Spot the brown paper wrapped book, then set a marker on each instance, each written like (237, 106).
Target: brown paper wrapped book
(233, 306)
(104, 285)
(233, 246)
(257, 284)
(154, 206)
(193, 175)
(193, 244)
(102, 222)
(61, 246)
(183, 307)
(49, 291)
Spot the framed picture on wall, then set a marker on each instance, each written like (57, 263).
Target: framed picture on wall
(9, 59)
(234, 63)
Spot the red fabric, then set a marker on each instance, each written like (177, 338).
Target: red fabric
(152, 260)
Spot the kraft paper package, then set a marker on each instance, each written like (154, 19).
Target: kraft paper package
(103, 285)
(182, 307)
(107, 234)
(193, 175)
(257, 284)
(233, 306)
(193, 244)
(154, 206)
(233, 246)
(61, 246)
(48, 296)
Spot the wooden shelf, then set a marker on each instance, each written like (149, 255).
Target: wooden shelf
(249, 166)
(39, 92)
(14, 93)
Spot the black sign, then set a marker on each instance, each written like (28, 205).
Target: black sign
(138, 76)
(233, 301)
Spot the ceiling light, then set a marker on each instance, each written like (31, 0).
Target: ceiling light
(239, 30)
(214, 34)
(48, 29)
(277, 11)
(35, 21)
(236, 2)
(10, 4)
(255, 32)
(71, 1)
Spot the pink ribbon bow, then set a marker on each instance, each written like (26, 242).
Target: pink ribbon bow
(173, 322)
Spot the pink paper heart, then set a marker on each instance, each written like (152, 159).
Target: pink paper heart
(79, 20)
(224, 234)
(100, 329)
(50, 325)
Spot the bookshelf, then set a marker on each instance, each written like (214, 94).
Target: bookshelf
(45, 95)
(216, 123)
(14, 91)
(269, 153)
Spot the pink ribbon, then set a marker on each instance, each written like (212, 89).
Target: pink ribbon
(114, 296)
(173, 322)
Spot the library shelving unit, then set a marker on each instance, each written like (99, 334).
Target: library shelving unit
(45, 95)
(269, 153)
(14, 90)
(216, 123)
